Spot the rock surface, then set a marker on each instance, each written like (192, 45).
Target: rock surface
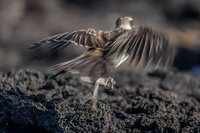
(159, 101)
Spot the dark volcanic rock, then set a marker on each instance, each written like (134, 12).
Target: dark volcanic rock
(149, 102)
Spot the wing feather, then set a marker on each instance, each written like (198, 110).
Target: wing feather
(89, 38)
(144, 46)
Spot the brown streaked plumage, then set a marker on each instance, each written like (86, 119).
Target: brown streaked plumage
(143, 47)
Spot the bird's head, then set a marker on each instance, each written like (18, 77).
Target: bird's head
(125, 22)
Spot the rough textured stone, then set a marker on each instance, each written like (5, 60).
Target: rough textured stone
(160, 101)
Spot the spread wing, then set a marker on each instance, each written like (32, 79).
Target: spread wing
(145, 48)
(89, 38)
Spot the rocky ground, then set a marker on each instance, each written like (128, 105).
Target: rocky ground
(159, 101)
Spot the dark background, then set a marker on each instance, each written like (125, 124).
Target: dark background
(24, 22)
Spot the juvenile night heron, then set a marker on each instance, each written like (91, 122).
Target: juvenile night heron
(141, 46)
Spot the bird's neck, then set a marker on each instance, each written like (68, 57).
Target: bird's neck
(125, 26)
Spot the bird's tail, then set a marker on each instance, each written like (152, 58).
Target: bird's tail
(92, 67)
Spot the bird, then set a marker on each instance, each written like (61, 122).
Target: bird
(140, 46)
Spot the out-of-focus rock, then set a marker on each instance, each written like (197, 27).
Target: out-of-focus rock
(27, 21)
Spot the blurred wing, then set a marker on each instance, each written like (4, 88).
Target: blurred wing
(145, 48)
(89, 38)
(93, 67)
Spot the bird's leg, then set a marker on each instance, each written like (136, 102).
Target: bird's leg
(95, 94)
(110, 82)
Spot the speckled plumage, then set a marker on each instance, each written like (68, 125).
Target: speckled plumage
(142, 47)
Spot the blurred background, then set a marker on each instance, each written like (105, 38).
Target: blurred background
(24, 22)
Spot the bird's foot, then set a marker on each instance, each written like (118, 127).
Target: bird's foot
(110, 82)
